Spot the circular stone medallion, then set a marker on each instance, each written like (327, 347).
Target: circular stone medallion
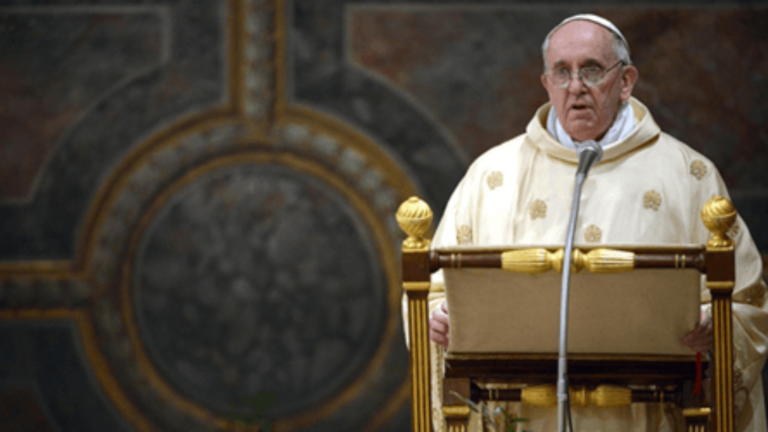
(259, 278)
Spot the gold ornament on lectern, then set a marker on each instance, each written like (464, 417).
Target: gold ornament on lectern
(718, 216)
(604, 396)
(544, 395)
(527, 261)
(414, 217)
(609, 261)
(577, 260)
(610, 396)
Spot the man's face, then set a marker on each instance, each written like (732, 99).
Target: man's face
(586, 113)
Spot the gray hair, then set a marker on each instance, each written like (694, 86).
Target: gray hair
(620, 47)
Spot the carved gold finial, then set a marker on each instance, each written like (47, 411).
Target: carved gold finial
(544, 395)
(579, 396)
(604, 396)
(578, 261)
(718, 216)
(558, 260)
(527, 261)
(609, 261)
(414, 217)
(610, 396)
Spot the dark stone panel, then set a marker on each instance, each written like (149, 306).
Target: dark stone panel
(401, 421)
(48, 357)
(322, 78)
(76, 59)
(78, 3)
(192, 81)
(765, 387)
(703, 75)
(21, 410)
(478, 71)
(359, 412)
(547, 3)
(754, 211)
(46, 228)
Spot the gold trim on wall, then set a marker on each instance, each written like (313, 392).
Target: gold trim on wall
(41, 268)
(350, 137)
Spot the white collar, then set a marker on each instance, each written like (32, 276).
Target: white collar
(621, 127)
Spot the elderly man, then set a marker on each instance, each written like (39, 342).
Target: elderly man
(648, 189)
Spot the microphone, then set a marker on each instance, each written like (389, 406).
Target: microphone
(590, 153)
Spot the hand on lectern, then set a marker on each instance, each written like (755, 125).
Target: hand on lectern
(439, 325)
(700, 338)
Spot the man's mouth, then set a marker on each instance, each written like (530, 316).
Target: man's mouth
(578, 107)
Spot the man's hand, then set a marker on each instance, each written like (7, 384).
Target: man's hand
(438, 326)
(700, 338)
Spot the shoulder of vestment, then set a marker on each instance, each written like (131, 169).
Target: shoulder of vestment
(499, 156)
(676, 155)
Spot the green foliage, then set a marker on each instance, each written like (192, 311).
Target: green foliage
(256, 407)
(492, 419)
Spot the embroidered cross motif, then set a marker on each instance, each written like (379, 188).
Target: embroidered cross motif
(652, 200)
(592, 234)
(538, 209)
(464, 235)
(698, 169)
(495, 179)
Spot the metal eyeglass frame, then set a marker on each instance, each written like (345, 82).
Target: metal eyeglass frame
(579, 72)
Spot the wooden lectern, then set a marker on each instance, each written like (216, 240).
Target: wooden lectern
(596, 378)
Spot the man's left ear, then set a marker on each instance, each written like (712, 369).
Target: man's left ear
(628, 79)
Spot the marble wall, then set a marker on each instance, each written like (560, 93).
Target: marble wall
(197, 197)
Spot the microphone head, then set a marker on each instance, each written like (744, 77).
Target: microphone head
(590, 153)
(590, 145)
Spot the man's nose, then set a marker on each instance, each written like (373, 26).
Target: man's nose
(575, 85)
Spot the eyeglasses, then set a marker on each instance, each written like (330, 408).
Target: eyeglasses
(591, 76)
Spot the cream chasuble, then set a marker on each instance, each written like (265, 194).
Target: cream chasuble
(648, 189)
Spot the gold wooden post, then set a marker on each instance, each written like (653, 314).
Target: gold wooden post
(414, 217)
(696, 419)
(718, 216)
(456, 418)
(455, 410)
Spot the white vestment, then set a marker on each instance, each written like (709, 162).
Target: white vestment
(648, 189)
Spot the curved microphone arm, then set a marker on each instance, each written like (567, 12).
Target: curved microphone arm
(590, 153)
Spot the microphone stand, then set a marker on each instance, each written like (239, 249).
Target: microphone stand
(589, 153)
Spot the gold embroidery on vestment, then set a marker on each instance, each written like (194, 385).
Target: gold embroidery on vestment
(757, 297)
(740, 390)
(734, 231)
(538, 209)
(464, 235)
(495, 179)
(593, 234)
(652, 200)
(698, 169)
(754, 296)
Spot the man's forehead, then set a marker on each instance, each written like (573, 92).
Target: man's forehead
(581, 31)
(593, 19)
(583, 39)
